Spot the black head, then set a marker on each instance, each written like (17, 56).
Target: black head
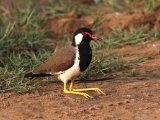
(82, 34)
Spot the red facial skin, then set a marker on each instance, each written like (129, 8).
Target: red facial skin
(93, 37)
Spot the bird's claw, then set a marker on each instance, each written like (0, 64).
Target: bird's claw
(99, 91)
(78, 93)
(86, 95)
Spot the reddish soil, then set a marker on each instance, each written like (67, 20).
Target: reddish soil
(132, 94)
(128, 20)
(109, 22)
(128, 97)
(69, 24)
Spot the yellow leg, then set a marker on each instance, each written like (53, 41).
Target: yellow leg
(71, 85)
(99, 91)
(74, 92)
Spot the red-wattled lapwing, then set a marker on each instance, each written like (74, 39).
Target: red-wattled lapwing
(69, 61)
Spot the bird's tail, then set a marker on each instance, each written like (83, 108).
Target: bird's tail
(31, 75)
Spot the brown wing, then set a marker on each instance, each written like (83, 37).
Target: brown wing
(59, 61)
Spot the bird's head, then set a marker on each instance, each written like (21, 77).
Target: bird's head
(83, 35)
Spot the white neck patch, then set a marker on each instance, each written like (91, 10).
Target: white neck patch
(78, 38)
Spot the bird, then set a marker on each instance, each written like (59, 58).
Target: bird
(69, 62)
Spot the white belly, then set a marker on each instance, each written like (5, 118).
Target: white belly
(72, 72)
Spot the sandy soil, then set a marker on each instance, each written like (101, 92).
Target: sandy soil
(132, 94)
(127, 97)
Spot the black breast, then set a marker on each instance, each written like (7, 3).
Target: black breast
(85, 52)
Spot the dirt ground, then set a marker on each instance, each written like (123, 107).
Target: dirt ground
(127, 97)
(132, 94)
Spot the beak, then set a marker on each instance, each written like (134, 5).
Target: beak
(95, 38)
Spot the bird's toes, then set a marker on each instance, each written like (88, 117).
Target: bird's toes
(86, 95)
(99, 91)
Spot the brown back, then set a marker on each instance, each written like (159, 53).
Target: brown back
(61, 60)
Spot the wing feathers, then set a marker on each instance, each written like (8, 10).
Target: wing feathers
(61, 60)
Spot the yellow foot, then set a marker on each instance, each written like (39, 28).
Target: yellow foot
(99, 91)
(74, 92)
(78, 93)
